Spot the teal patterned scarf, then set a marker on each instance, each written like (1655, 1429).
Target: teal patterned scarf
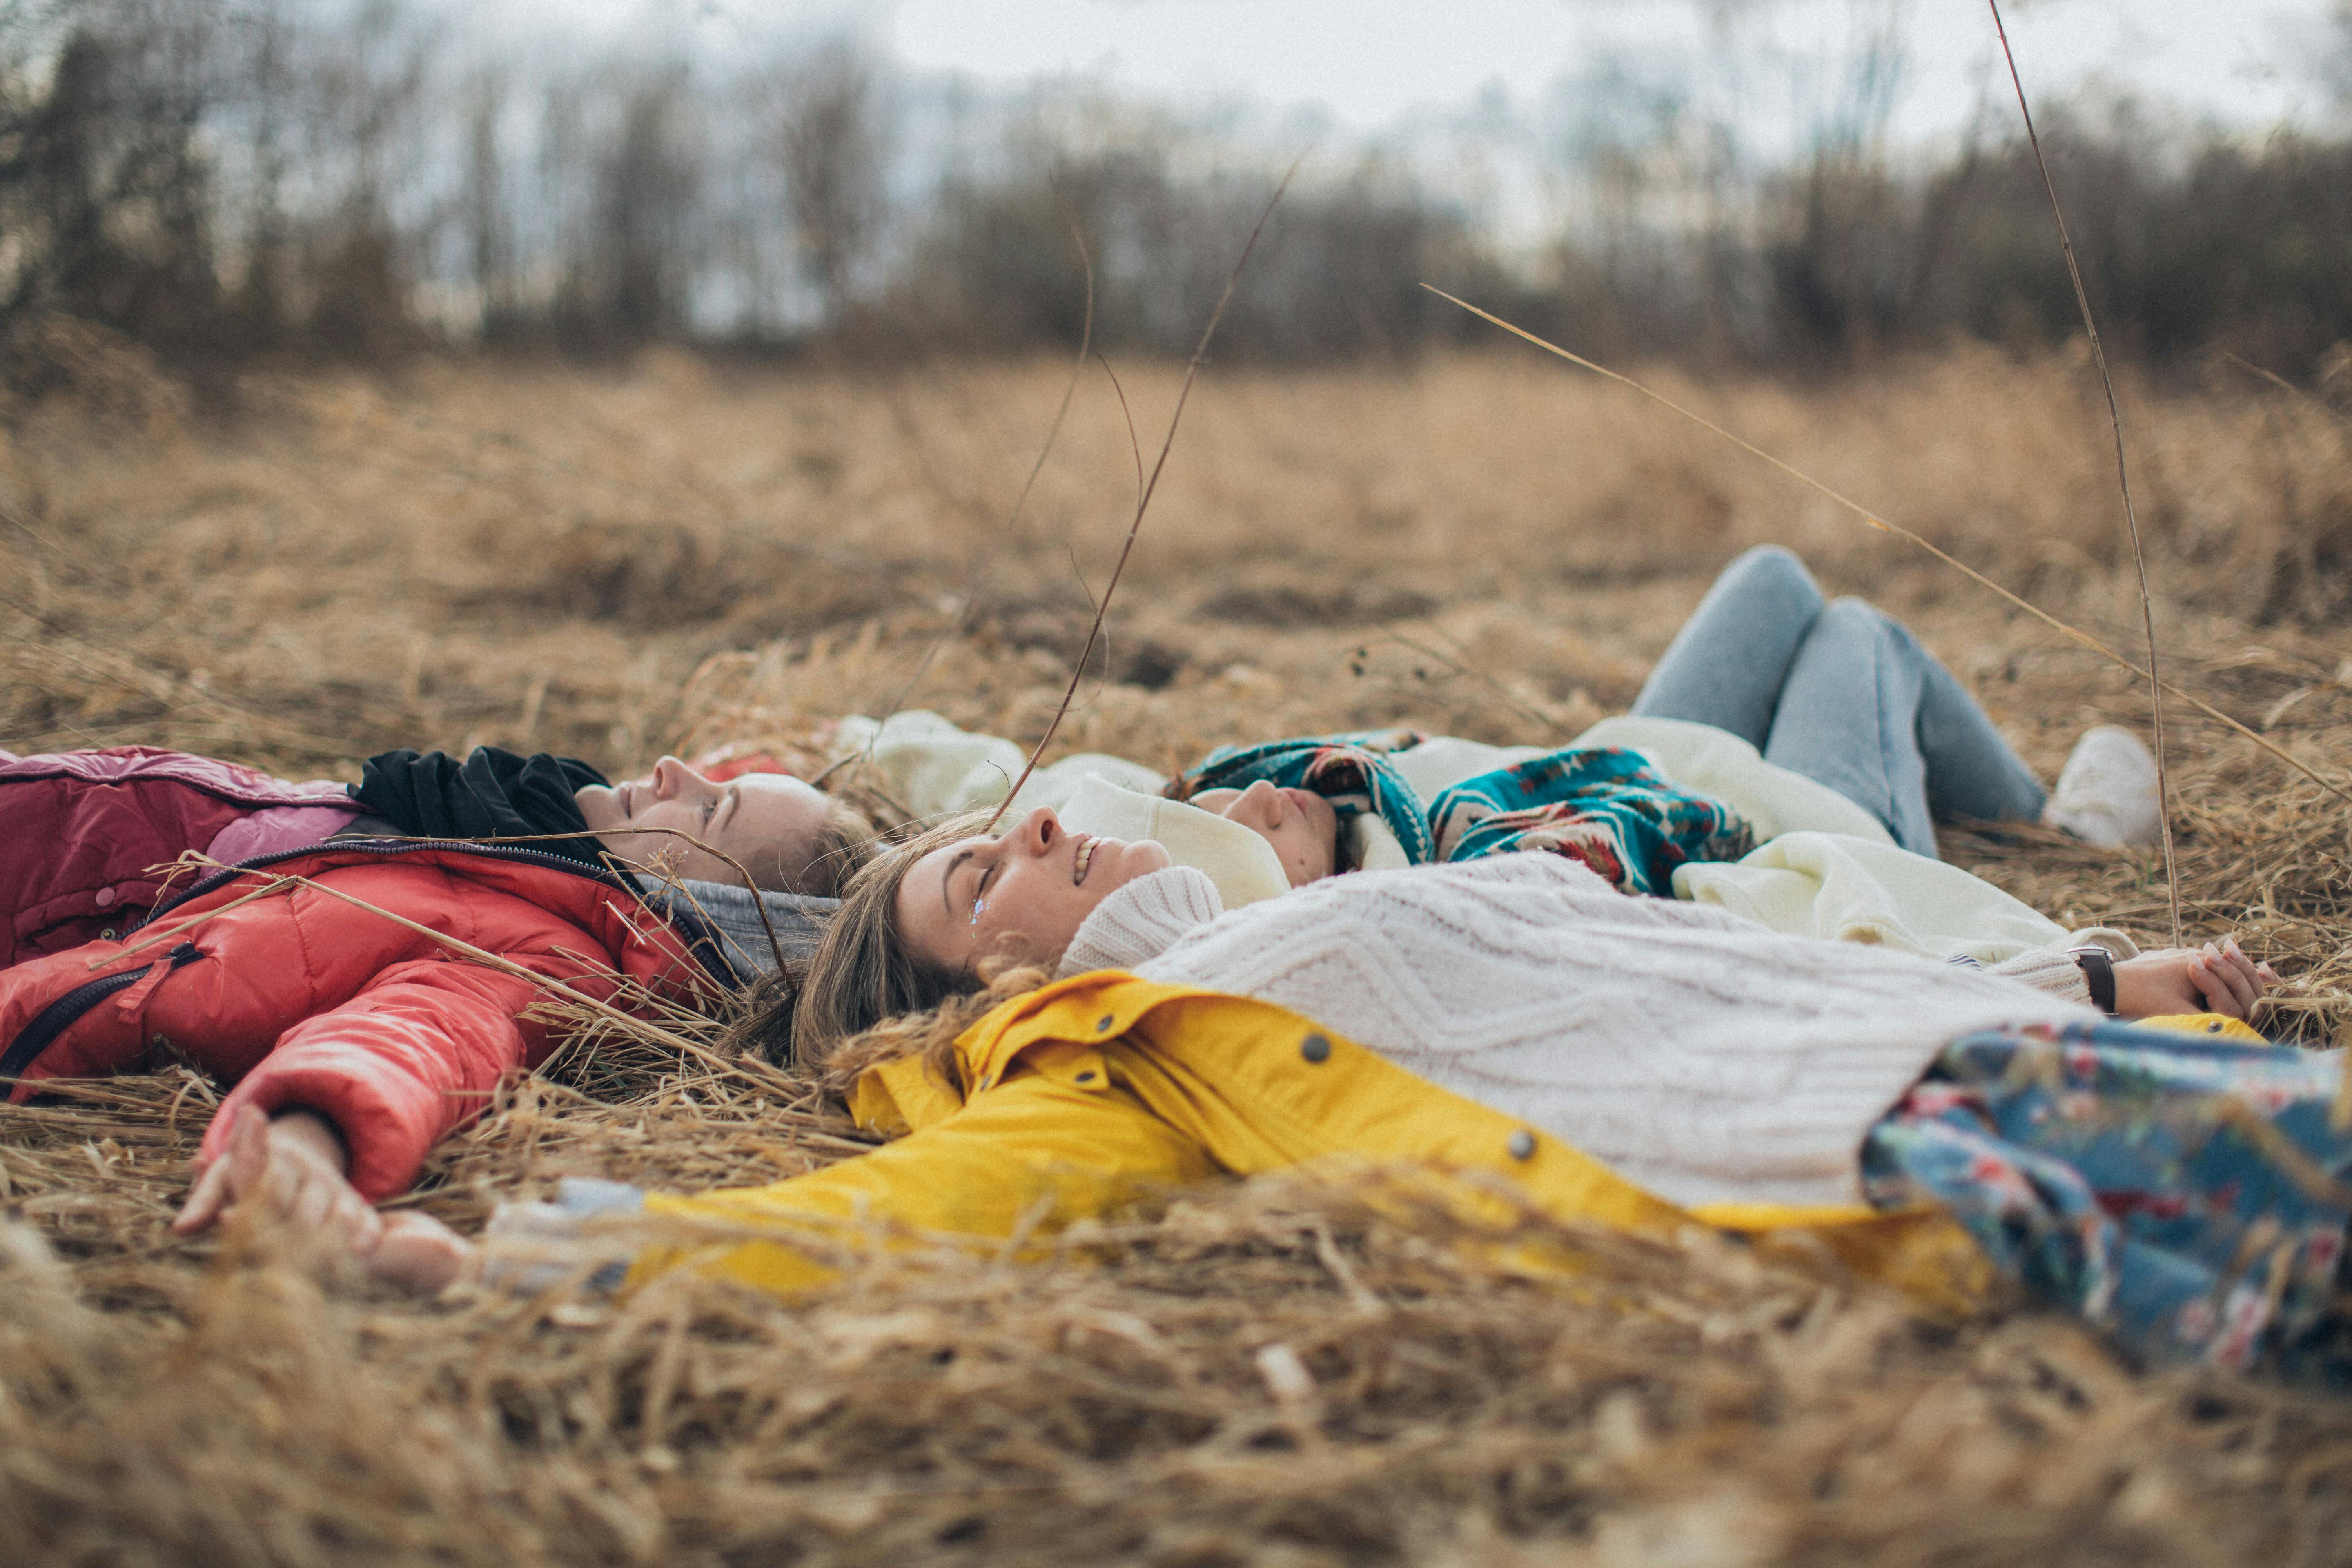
(1351, 770)
(1604, 806)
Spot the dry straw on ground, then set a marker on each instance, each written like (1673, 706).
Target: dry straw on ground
(1273, 1372)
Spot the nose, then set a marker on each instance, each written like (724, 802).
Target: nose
(1262, 800)
(1036, 833)
(673, 777)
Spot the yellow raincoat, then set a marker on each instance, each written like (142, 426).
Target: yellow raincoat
(1078, 1097)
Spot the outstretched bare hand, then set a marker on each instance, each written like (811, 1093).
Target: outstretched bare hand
(419, 1254)
(292, 1165)
(2206, 979)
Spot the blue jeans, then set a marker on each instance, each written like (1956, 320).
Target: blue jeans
(1841, 693)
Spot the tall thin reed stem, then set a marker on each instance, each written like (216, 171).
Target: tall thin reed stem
(2283, 385)
(2123, 472)
(1150, 487)
(988, 553)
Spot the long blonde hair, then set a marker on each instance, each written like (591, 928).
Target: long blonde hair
(862, 973)
(929, 1037)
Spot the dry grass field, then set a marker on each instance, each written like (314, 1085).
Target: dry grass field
(298, 570)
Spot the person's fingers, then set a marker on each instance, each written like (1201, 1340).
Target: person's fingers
(2209, 989)
(205, 1200)
(310, 1201)
(242, 1170)
(2238, 987)
(2206, 969)
(2246, 981)
(361, 1227)
(249, 1151)
(2238, 973)
(419, 1253)
(2260, 978)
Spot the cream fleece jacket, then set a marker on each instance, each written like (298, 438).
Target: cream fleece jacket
(1701, 1055)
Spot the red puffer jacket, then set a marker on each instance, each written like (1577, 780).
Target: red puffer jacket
(81, 834)
(313, 1002)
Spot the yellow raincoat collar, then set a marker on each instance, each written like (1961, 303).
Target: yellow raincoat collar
(908, 1095)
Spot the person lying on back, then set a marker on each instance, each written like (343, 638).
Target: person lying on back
(88, 838)
(1774, 709)
(1643, 1064)
(364, 992)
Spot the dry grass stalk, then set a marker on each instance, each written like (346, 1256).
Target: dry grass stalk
(2283, 385)
(1143, 500)
(1105, 1404)
(148, 940)
(1454, 658)
(636, 1021)
(2123, 473)
(967, 600)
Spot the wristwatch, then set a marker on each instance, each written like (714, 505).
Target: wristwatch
(2098, 967)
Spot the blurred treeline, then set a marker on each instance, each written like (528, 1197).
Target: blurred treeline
(218, 179)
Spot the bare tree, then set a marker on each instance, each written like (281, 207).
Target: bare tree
(1842, 228)
(829, 136)
(485, 207)
(111, 196)
(265, 298)
(648, 183)
(29, 29)
(370, 89)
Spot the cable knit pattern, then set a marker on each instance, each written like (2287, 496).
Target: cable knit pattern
(2051, 969)
(1140, 919)
(1701, 1055)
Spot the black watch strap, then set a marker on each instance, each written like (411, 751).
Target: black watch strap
(2098, 967)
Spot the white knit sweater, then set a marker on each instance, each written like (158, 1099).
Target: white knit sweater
(1701, 1055)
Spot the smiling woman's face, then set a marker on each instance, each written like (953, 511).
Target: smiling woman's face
(1020, 895)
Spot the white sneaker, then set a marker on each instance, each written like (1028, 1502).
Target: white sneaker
(2106, 791)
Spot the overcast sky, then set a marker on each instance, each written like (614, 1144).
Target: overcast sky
(1371, 62)
(1478, 99)
(1367, 65)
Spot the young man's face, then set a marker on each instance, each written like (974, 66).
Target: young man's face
(1298, 822)
(769, 822)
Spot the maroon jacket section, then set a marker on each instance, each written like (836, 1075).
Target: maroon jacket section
(86, 837)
